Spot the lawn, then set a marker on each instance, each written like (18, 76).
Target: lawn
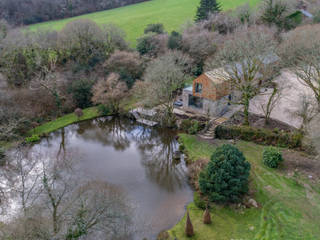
(88, 113)
(290, 207)
(133, 18)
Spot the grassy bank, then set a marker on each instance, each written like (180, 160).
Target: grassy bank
(134, 18)
(290, 207)
(88, 113)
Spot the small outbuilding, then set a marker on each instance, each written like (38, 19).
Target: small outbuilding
(209, 94)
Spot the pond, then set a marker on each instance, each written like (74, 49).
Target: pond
(135, 158)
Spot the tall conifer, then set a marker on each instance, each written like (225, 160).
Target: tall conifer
(206, 7)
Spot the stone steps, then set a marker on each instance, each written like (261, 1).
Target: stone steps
(209, 134)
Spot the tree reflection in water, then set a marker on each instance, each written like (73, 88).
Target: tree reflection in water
(136, 158)
(156, 146)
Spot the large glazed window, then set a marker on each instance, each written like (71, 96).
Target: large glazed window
(195, 102)
(198, 88)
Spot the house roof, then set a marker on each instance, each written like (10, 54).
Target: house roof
(217, 76)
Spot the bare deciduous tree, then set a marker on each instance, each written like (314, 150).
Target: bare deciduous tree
(163, 77)
(110, 92)
(23, 178)
(246, 58)
(273, 99)
(301, 50)
(305, 111)
(128, 64)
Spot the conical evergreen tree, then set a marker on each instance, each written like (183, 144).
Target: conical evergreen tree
(206, 7)
(189, 227)
(207, 216)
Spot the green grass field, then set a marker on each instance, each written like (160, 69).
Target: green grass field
(133, 18)
(88, 113)
(290, 207)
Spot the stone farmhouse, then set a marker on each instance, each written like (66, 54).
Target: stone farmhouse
(209, 94)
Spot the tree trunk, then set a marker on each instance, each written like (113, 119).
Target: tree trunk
(246, 112)
(55, 220)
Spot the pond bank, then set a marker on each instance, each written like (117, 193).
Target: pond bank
(136, 158)
(284, 199)
(88, 113)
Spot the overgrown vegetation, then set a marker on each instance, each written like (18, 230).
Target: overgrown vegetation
(261, 136)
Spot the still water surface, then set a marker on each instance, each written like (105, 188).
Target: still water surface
(137, 159)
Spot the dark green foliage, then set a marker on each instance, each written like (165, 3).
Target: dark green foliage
(293, 20)
(206, 7)
(175, 40)
(225, 179)
(190, 126)
(272, 157)
(145, 44)
(275, 13)
(17, 66)
(154, 28)
(104, 110)
(81, 92)
(198, 201)
(33, 138)
(261, 136)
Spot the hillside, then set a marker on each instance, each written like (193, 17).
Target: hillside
(288, 201)
(133, 19)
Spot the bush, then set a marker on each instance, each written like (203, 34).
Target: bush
(152, 44)
(81, 91)
(272, 157)
(175, 40)
(78, 112)
(103, 110)
(198, 201)
(154, 28)
(2, 153)
(261, 136)
(225, 179)
(33, 138)
(190, 126)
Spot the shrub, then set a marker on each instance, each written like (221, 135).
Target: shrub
(175, 40)
(152, 44)
(190, 126)
(81, 91)
(198, 201)
(2, 153)
(272, 157)
(155, 28)
(225, 179)
(194, 127)
(78, 112)
(261, 136)
(33, 138)
(103, 110)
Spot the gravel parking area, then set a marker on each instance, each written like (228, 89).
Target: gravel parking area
(290, 101)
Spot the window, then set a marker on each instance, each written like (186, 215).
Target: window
(198, 88)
